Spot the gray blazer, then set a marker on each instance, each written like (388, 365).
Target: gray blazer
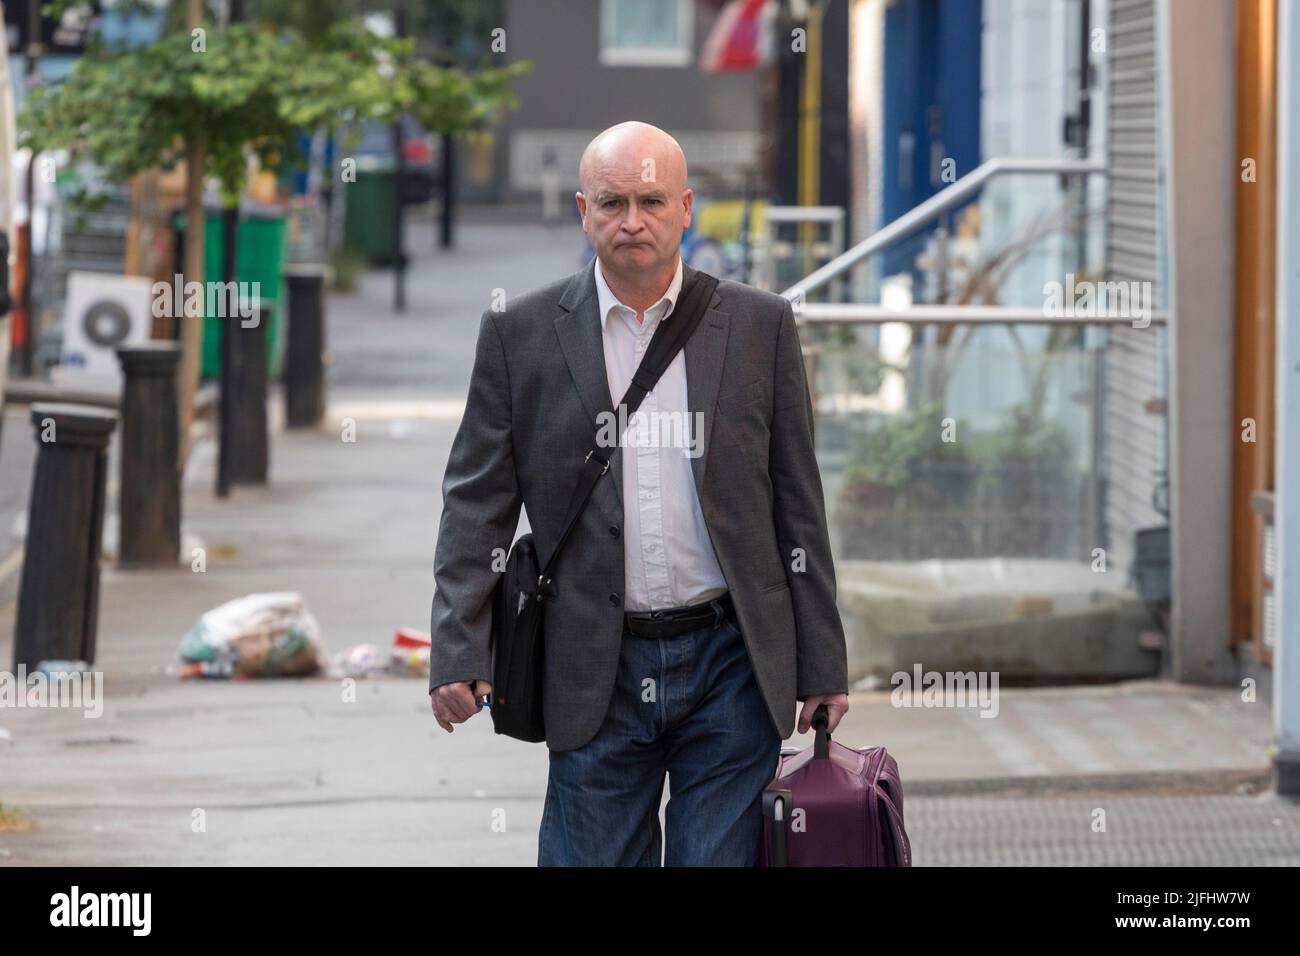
(536, 391)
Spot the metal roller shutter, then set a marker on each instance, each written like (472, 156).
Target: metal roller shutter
(1134, 392)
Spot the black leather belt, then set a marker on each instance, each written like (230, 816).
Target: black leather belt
(671, 621)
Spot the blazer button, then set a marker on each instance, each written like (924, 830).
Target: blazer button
(613, 530)
(615, 600)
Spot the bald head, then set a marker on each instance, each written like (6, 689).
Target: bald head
(634, 205)
(633, 149)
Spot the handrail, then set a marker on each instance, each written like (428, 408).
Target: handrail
(940, 202)
(854, 314)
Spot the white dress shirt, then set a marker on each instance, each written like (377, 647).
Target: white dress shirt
(668, 557)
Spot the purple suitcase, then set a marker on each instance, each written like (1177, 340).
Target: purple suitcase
(831, 805)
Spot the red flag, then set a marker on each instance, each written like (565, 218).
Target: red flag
(741, 38)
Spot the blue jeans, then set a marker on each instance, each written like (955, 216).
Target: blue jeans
(689, 706)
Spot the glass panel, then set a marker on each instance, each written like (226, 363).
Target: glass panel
(957, 441)
(1020, 401)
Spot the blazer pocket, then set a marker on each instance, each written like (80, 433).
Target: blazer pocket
(744, 395)
(767, 588)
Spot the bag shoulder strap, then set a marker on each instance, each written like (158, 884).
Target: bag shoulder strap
(669, 339)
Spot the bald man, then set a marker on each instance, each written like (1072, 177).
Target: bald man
(694, 605)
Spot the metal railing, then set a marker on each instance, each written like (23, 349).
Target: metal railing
(849, 313)
(770, 249)
(918, 217)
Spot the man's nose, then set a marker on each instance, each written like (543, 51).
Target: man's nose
(632, 221)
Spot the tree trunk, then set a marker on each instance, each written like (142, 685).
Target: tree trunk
(191, 337)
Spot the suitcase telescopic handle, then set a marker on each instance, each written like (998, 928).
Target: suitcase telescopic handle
(822, 741)
(781, 854)
(775, 806)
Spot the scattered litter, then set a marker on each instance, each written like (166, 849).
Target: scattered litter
(408, 657)
(359, 660)
(258, 635)
(13, 820)
(52, 668)
(190, 543)
(410, 653)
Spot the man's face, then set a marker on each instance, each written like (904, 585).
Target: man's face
(634, 223)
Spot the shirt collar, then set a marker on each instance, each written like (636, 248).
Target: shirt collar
(608, 300)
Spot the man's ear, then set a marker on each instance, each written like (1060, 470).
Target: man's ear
(688, 199)
(581, 200)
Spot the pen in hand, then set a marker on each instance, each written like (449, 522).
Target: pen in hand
(480, 703)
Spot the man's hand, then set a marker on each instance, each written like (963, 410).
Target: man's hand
(455, 703)
(837, 705)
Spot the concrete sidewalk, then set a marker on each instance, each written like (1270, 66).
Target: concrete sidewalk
(286, 771)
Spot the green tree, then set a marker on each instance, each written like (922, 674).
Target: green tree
(245, 88)
(209, 95)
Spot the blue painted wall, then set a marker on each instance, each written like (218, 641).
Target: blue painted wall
(932, 105)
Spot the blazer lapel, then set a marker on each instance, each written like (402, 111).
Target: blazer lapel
(705, 351)
(579, 332)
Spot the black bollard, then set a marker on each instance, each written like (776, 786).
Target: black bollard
(149, 496)
(58, 598)
(304, 366)
(247, 431)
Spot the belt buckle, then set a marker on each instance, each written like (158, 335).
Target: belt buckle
(718, 612)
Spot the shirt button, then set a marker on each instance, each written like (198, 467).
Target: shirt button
(615, 600)
(613, 530)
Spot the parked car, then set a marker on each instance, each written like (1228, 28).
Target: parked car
(421, 159)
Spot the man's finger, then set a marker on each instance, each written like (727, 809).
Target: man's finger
(461, 701)
(437, 712)
(448, 715)
(805, 717)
